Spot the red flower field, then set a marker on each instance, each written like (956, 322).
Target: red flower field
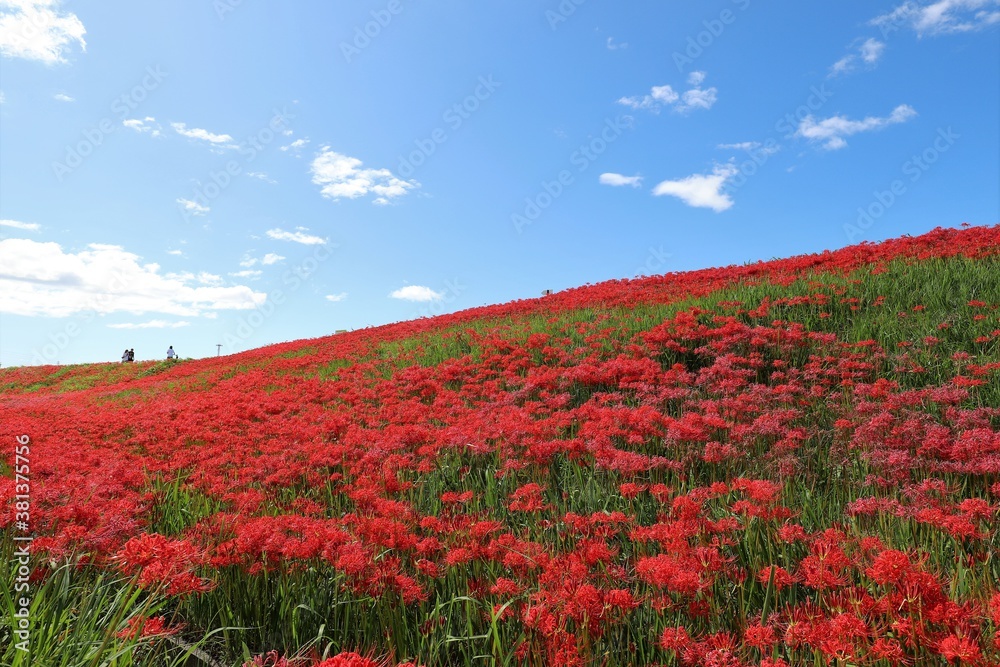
(794, 462)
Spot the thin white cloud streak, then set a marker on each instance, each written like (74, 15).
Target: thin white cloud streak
(222, 140)
(17, 224)
(193, 207)
(299, 236)
(831, 132)
(151, 324)
(618, 180)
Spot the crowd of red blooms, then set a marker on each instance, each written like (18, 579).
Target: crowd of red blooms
(243, 430)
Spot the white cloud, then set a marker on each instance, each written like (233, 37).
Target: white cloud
(831, 131)
(223, 140)
(41, 279)
(38, 30)
(941, 16)
(659, 96)
(152, 324)
(770, 148)
(416, 293)
(697, 98)
(206, 278)
(147, 124)
(253, 274)
(336, 297)
(17, 224)
(613, 46)
(339, 176)
(63, 97)
(295, 237)
(271, 258)
(203, 277)
(261, 176)
(844, 65)
(175, 252)
(295, 145)
(193, 207)
(619, 179)
(701, 190)
(869, 52)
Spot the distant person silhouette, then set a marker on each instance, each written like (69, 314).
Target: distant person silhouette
(131, 354)
(171, 355)
(125, 356)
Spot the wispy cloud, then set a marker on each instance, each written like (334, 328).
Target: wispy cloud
(298, 236)
(296, 145)
(701, 190)
(219, 140)
(63, 97)
(202, 277)
(831, 132)
(17, 224)
(340, 176)
(695, 97)
(147, 124)
(657, 97)
(868, 52)
(940, 16)
(261, 176)
(252, 274)
(193, 207)
(619, 180)
(614, 46)
(871, 50)
(38, 30)
(416, 293)
(151, 324)
(769, 148)
(336, 297)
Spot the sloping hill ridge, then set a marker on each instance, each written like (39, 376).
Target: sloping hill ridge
(789, 462)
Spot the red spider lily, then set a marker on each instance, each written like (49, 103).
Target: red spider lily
(159, 561)
(142, 626)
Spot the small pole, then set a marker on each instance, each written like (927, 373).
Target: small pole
(218, 349)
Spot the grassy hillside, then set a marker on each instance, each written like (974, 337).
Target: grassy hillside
(794, 462)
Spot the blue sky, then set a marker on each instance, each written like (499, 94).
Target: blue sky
(243, 172)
